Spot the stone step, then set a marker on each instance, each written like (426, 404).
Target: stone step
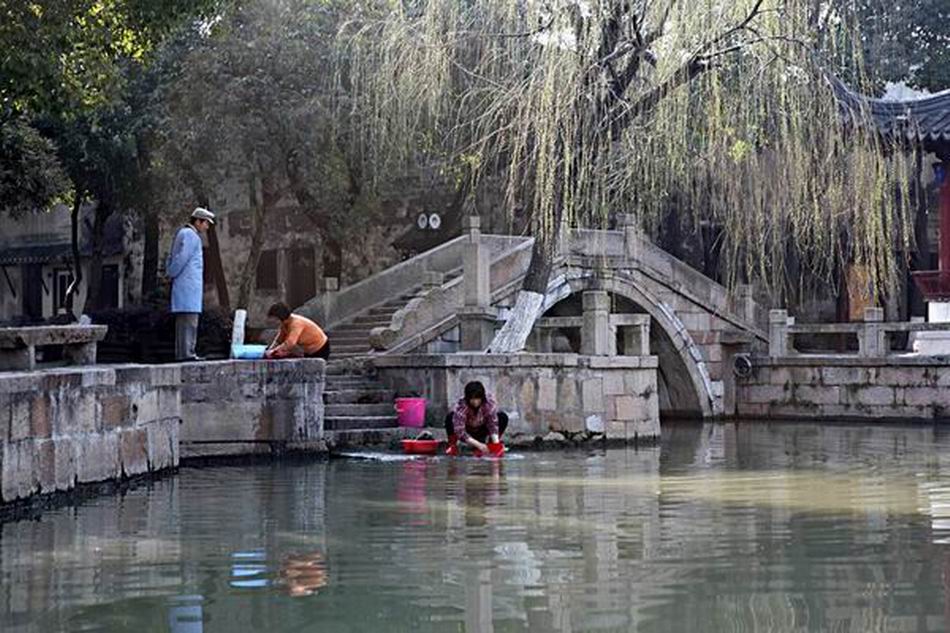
(343, 423)
(357, 396)
(368, 323)
(351, 381)
(348, 339)
(358, 410)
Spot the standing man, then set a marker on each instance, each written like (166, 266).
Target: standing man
(185, 267)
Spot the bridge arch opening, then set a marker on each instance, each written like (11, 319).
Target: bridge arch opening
(682, 389)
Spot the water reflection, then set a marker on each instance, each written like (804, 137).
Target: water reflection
(722, 528)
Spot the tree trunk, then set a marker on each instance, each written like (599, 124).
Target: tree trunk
(74, 241)
(150, 255)
(261, 204)
(513, 335)
(216, 266)
(94, 287)
(215, 263)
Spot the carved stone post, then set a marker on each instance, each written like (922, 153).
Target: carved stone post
(595, 332)
(778, 333)
(872, 339)
(476, 318)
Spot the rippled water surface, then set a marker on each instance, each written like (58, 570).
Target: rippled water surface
(721, 528)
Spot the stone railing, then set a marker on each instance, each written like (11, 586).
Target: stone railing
(633, 328)
(437, 309)
(630, 247)
(872, 333)
(334, 306)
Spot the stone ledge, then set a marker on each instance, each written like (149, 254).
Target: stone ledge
(526, 359)
(831, 360)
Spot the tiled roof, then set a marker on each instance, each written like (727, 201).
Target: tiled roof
(925, 120)
(35, 254)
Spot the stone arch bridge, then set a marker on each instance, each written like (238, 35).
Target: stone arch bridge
(611, 293)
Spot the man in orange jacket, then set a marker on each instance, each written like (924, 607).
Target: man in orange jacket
(297, 337)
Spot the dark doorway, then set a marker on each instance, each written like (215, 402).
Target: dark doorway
(109, 291)
(33, 292)
(301, 276)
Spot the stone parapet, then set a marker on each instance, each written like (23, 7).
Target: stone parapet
(905, 388)
(566, 394)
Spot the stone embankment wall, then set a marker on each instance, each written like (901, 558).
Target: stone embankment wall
(566, 394)
(63, 427)
(250, 407)
(892, 388)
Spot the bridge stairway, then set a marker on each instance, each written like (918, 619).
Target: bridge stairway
(356, 403)
(351, 338)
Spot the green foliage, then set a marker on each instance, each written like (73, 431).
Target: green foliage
(905, 41)
(67, 71)
(30, 174)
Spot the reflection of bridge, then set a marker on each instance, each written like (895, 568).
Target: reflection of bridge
(454, 297)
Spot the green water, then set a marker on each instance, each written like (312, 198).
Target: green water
(720, 528)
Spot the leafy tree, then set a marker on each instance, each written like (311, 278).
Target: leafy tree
(592, 107)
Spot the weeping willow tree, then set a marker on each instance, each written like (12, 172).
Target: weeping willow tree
(587, 108)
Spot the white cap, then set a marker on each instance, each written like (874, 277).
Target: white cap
(202, 214)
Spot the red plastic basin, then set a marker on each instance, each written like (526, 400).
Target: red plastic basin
(420, 447)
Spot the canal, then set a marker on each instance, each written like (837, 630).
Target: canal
(722, 527)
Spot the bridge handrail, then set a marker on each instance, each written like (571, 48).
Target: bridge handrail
(872, 333)
(332, 308)
(437, 310)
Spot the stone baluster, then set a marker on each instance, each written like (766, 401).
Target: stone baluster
(595, 332)
(330, 284)
(476, 318)
(872, 338)
(432, 279)
(745, 303)
(778, 333)
(632, 236)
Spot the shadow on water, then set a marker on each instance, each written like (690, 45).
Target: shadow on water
(721, 527)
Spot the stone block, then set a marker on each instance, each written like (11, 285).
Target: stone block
(145, 407)
(21, 408)
(592, 394)
(64, 457)
(17, 477)
(133, 451)
(114, 411)
(41, 424)
(626, 408)
(844, 375)
(97, 457)
(869, 396)
(806, 394)
(169, 402)
(44, 465)
(567, 395)
(639, 382)
(76, 412)
(926, 396)
(547, 394)
(163, 444)
(762, 394)
(614, 383)
(904, 376)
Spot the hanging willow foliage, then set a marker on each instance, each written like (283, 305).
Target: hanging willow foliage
(718, 110)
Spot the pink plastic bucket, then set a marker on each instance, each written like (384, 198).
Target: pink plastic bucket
(411, 412)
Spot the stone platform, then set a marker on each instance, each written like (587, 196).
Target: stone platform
(564, 394)
(60, 428)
